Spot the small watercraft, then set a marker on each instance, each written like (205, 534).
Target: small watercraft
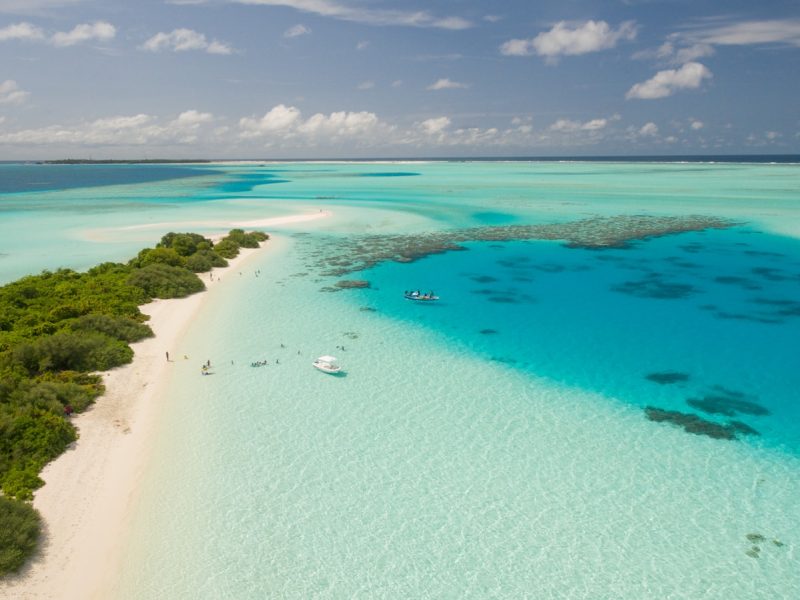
(327, 364)
(420, 297)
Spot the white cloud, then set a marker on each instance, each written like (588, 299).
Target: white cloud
(98, 31)
(362, 45)
(10, 93)
(665, 83)
(369, 16)
(182, 40)
(342, 124)
(21, 31)
(435, 125)
(772, 135)
(446, 84)
(397, 83)
(296, 31)
(570, 40)
(649, 130)
(676, 51)
(366, 85)
(569, 126)
(285, 124)
(193, 118)
(773, 31)
(692, 53)
(697, 125)
(492, 18)
(126, 130)
(279, 118)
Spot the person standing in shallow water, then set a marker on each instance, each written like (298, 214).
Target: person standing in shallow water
(167, 356)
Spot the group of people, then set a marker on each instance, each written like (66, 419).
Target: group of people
(259, 363)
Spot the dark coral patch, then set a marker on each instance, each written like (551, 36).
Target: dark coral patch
(347, 284)
(690, 423)
(355, 253)
(488, 331)
(551, 268)
(692, 248)
(503, 300)
(667, 377)
(483, 279)
(653, 287)
(742, 428)
(728, 405)
(740, 281)
(769, 274)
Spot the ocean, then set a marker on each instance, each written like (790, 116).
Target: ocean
(515, 438)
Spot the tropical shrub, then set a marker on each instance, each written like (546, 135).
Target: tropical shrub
(18, 535)
(165, 281)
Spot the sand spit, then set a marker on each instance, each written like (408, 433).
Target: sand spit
(91, 489)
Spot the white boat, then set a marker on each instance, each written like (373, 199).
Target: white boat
(327, 364)
(419, 297)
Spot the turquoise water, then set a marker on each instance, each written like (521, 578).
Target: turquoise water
(493, 444)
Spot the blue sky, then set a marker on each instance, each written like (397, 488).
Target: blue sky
(382, 78)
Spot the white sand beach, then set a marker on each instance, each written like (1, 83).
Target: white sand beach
(90, 490)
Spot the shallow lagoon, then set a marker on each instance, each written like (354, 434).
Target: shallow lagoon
(494, 444)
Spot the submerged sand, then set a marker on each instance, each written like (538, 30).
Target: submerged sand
(91, 489)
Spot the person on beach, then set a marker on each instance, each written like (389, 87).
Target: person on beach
(167, 356)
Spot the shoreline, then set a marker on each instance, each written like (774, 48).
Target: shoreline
(90, 490)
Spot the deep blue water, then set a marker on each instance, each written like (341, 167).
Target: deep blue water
(31, 177)
(720, 308)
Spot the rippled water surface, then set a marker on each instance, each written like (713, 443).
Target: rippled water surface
(525, 436)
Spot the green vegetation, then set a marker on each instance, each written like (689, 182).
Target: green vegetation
(18, 535)
(56, 329)
(228, 247)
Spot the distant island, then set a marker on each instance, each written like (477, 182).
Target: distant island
(138, 161)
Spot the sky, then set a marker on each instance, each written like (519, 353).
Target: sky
(397, 78)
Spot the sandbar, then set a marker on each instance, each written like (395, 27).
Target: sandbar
(90, 491)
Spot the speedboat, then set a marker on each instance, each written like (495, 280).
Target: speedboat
(327, 364)
(417, 296)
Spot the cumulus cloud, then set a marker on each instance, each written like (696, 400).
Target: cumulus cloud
(366, 85)
(10, 93)
(362, 45)
(368, 16)
(568, 126)
(182, 40)
(125, 130)
(98, 31)
(285, 123)
(86, 32)
(697, 125)
(296, 31)
(435, 125)
(446, 84)
(21, 31)
(665, 83)
(566, 39)
(279, 118)
(649, 130)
